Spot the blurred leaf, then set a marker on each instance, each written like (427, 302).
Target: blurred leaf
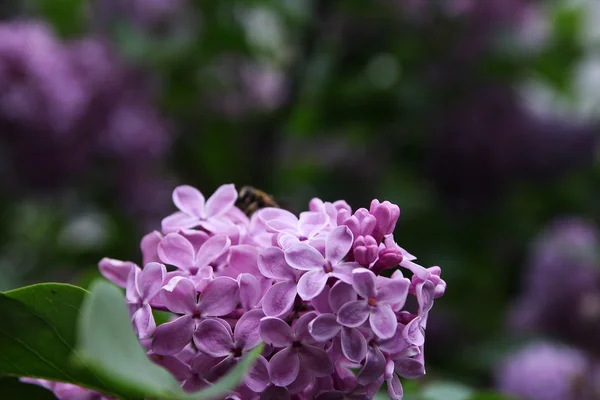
(489, 396)
(447, 391)
(67, 16)
(108, 344)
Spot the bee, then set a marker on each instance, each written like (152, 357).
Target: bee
(251, 200)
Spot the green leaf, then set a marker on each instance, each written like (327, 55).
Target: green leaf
(109, 345)
(38, 338)
(37, 334)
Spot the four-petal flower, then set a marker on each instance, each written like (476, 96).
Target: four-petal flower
(378, 295)
(319, 269)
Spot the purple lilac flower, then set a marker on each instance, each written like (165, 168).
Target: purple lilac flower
(196, 211)
(488, 140)
(378, 294)
(219, 297)
(142, 287)
(564, 261)
(70, 106)
(310, 287)
(318, 268)
(546, 371)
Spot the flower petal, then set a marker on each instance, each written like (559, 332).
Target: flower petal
(179, 369)
(219, 297)
(279, 299)
(243, 258)
(213, 338)
(257, 378)
(340, 294)
(272, 264)
(271, 213)
(171, 337)
(396, 343)
(300, 327)
(221, 201)
(374, 366)
(425, 296)
(383, 321)
(211, 250)
(394, 387)
(311, 223)
(364, 282)
(189, 200)
(179, 295)
(149, 247)
(178, 220)
(143, 321)
(132, 294)
(354, 314)
(151, 280)
(324, 327)
(321, 302)
(247, 330)
(338, 244)
(176, 250)
(303, 257)
(249, 291)
(344, 271)
(315, 360)
(116, 271)
(354, 345)
(303, 379)
(286, 240)
(392, 291)
(409, 368)
(275, 332)
(413, 334)
(311, 284)
(284, 367)
(282, 226)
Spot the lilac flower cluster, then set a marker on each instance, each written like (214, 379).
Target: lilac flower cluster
(564, 261)
(65, 107)
(309, 287)
(548, 371)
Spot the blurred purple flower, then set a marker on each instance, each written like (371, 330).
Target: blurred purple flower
(545, 371)
(488, 140)
(68, 107)
(565, 262)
